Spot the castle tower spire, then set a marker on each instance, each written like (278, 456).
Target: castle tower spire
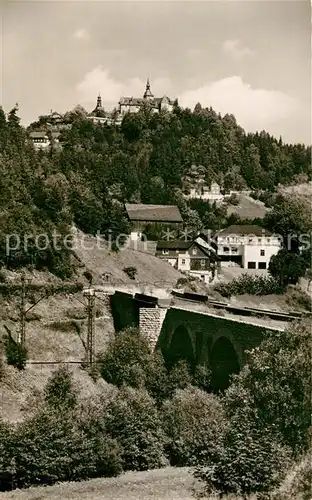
(148, 94)
(99, 101)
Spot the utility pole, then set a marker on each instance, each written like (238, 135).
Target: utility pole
(90, 334)
(22, 332)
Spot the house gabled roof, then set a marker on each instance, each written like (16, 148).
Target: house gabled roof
(173, 245)
(244, 230)
(184, 245)
(153, 213)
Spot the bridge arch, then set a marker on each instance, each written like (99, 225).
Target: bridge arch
(180, 347)
(224, 361)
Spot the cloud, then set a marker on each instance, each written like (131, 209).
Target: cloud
(254, 109)
(100, 80)
(236, 49)
(81, 34)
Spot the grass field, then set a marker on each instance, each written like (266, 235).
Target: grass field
(161, 484)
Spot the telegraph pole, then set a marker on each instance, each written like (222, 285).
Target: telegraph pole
(90, 334)
(22, 332)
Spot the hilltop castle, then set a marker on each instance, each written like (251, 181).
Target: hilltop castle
(131, 105)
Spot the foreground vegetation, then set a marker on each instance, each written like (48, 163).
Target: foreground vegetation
(153, 415)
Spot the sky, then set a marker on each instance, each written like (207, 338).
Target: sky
(249, 58)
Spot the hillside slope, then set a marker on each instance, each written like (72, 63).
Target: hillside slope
(56, 328)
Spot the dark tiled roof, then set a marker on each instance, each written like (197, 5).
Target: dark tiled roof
(244, 230)
(173, 245)
(153, 213)
(139, 101)
(38, 134)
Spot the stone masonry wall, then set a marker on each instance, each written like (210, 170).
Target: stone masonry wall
(151, 321)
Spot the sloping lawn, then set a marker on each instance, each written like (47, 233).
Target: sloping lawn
(160, 484)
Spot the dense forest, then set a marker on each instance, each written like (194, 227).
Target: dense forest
(99, 167)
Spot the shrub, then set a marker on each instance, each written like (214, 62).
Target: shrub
(132, 419)
(249, 461)
(194, 423)
(287, 267)
(299, 298)
(275, 385)
(253, 285)
(202, 377)
(7, 466)
(131, 272)
(16, 353)
(233, 199)
(51, 447)
(299, 485)
(179, 377)
(59, 391)
(125, 359)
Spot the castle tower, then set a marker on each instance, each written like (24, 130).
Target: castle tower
(148, 94)
(99, 102)
(99, 110)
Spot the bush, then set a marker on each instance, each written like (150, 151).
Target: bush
(52, 447)
(253, 285)
(268, 408)
(59, 391)
(125, 359)
(249, 461)
(16, 354)
(194, 423)
(131, 272)
(299, 485)
(7, 465)
(299, 298)
(132, 419)
(179, 377)
(275, 385)
(233, 199)
(287, 267)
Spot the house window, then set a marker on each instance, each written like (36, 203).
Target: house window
(250, 240)
(262, 253)
(183, 261)
(251, 265)
(165, 252)
(226, 249)
(202, 262)
(194, 251)
(261, 265)
(234, 249)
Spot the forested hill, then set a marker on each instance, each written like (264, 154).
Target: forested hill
(99, 167)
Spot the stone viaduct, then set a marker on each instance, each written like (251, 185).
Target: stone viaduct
(200, 337)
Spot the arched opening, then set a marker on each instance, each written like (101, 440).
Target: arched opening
(180, 348)
(223, 362)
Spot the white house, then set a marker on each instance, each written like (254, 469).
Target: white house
(249, 246)
(205, 193)
(40, 139)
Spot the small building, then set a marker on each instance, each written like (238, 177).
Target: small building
(40, 139)
(140, 215)
(189, 257)
(248, 246)
(206, 193)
